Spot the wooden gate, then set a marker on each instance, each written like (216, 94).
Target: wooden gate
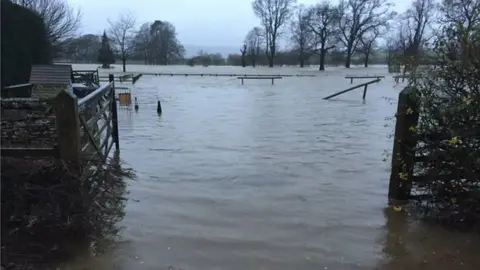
(87, 127)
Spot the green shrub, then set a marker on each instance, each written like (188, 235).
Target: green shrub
(449, 128)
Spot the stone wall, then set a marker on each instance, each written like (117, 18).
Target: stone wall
(27, 122)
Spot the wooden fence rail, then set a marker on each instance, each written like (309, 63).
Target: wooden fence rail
(364, 85)
(229, 74)
(273, 78)
(88, 77)
(364, 77)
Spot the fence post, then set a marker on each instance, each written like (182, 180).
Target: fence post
(404, 142)
(68, 127)
(111, 78)
(365, 91)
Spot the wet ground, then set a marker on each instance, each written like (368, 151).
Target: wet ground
(257, 176)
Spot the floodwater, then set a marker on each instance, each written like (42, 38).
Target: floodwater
(257, 176)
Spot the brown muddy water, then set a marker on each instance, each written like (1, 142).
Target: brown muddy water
(257, 176)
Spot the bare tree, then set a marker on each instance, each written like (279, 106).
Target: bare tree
(122, 32)
(323, 21)
(359, 16)
(368, 43)
(464, 12)
(394, 52)
(254, 41)
(413, 30)
(61, 20)
(143, 42)
(157, 43)
(164, 43)
(301, 35)
(243, 51)
(273, 15)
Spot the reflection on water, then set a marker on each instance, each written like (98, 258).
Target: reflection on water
(257, 176)
(411, 245)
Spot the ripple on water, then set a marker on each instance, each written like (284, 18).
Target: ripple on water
(257, 176)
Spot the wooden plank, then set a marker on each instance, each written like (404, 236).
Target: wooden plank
(17, 86)
(227, 74)
(107, 122)
(85, 70)
(351, 88)
(91, 137)
(68, 126)
(29, 152)
(98, 115)
(136, 77)
(109, 148)
(258, 78)
(95, 95)
(100, 131)
(364, 77)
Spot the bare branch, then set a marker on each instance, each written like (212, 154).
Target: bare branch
(414, 31)
(273, 15)
(254, 41)
(463, 12)
(122, 32)
(62, 20)
(358, 17)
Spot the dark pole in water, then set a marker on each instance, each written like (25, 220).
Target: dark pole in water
(159, 107)
(136, 104)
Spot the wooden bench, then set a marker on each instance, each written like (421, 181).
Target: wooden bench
(259, 78)
(363, 77)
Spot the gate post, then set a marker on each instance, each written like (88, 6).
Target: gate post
(68, 128)
(111, 79)
(404, 142)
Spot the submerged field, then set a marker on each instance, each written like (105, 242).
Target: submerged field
(257, 176)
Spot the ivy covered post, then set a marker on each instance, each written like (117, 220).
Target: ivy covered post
(405, 140)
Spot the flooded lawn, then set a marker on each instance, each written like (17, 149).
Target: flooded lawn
(261, 176)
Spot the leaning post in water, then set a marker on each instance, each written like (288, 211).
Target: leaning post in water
(404, 142)
(159, 107)
(365, 92)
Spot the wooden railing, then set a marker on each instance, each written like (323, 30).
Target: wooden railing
(364, 77)
(88, 77)
(228, 74)
(364, 85)
(123, 78)
(87, 128)
(17, 91)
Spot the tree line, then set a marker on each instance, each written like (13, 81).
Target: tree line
(350, 32)
(153, 43)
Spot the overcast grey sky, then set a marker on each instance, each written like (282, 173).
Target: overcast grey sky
(198, 22)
